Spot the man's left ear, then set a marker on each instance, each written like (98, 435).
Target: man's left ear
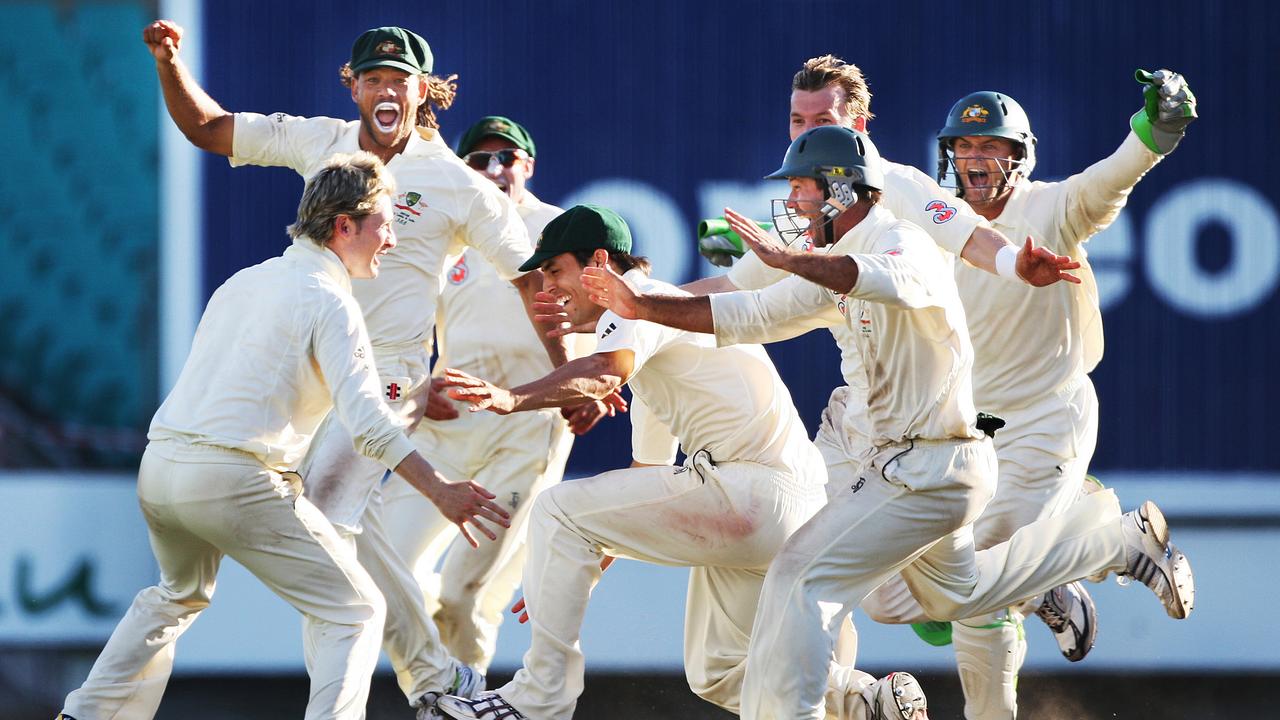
(601, 257)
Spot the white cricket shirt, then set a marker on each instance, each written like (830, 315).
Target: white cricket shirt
(728, 401)
(279, 345)
(909, 195)
(1031, 342)
(482, 327)
(907, 323)
(441, 206)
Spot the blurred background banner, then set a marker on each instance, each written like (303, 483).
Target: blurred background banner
(666, 111)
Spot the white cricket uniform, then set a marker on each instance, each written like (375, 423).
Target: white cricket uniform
(482, 330)
(1033, 350)
(750, 479)
(925, 478)
(242, 412)
(442, 207)
(909, 195)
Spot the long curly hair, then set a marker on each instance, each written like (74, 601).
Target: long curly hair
(441, 92)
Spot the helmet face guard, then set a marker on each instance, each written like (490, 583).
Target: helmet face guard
(840, 160)
(987, 114)
(1011, 170)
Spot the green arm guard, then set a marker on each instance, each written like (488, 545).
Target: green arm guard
(719, 244)
(1168, 107)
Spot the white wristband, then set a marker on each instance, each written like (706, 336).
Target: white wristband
(1007, 263)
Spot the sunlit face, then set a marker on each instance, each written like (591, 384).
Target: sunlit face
(806, 198)
(511, 179)
(368, 238)
(984, 166)
(816, 108)
(388, 101)
(562, 277)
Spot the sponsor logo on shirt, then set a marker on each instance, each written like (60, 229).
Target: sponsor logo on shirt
(942, 212)
(608, 330)
(458, 273)
(893, 251)
(393, 391)
(864, 322)
(278, 117)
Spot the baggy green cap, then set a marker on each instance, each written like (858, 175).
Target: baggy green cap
(392, 47)
(581, 227)
(496, 126)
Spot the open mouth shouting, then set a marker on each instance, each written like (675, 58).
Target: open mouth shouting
(386, 117)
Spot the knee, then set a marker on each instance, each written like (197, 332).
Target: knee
(940, 607)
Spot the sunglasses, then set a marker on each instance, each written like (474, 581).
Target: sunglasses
(480, 159)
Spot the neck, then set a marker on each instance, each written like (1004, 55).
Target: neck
(991, 209)
(384, 152)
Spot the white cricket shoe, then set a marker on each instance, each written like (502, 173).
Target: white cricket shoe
(1069, 612)
(1155, 561)
(467, 683)
(898, 696)
(485, 706)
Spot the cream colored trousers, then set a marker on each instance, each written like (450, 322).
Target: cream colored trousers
(202, 503)
(910, 512)
(726, 521)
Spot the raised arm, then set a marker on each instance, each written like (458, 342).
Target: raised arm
(200, 118)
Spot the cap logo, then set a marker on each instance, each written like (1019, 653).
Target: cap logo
(387, 47)
(499, 126)
(975, 113)
(538, 246)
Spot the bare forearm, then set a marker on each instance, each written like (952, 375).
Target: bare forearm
(575, 382)
(420, 474)
(558, 347)
(677, 311)
(834, 272)
(980, 251)
(200, 118)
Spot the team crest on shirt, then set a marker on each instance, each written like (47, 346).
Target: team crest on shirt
(975, 113)
(459, 272)
(405, 212)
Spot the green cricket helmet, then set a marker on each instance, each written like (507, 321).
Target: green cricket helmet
(986, 114)
(840, 159)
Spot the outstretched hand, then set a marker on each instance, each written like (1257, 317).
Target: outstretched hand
(163, 39)
(481, 394)
(584, 417)
(466, 503)
(1039, 266)
(548, 311)
(767, 247)
(611, 291)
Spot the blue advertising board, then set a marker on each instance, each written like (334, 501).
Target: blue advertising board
(670, 110)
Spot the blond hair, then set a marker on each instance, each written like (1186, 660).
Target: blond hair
(348, 185)
(819, 72)
(441, 92)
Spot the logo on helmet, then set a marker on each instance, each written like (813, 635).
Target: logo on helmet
(975, 113)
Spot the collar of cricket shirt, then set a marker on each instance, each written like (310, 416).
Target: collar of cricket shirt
(306, 252)
(863, 232)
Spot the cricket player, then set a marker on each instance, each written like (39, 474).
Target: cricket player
(482, 330)
(750, 478)
(441, 207)
(1033, 350)
(216, 478)
(928, 472)
(828, 91)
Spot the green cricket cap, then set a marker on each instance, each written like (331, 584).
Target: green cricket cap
(497, 126)
(392, 47)
(581, 227)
